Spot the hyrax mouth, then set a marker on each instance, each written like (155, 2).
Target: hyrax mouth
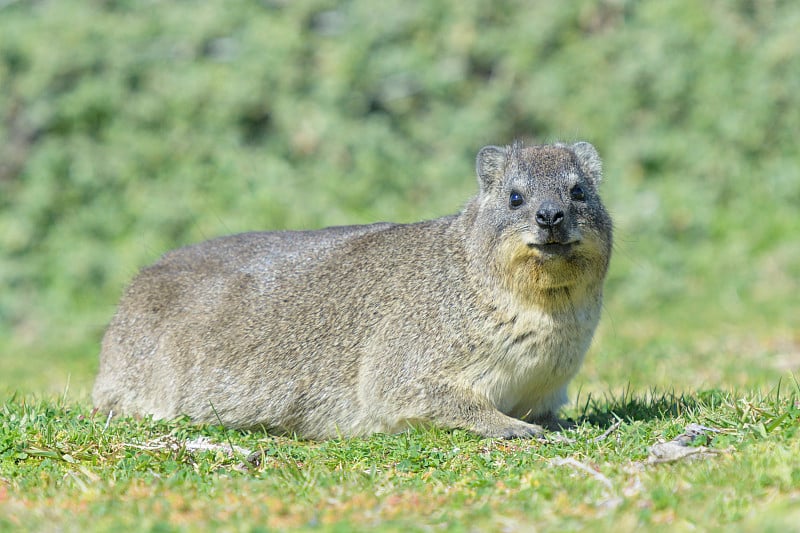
(553, 248)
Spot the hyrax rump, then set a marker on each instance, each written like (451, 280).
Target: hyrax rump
(477, 320)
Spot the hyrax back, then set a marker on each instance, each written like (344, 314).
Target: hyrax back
(477, 320)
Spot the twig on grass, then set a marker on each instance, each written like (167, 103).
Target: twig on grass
(670, 452)
(200, 444)
(608, 432)
(569, 461)
(678, 448)
(611, 500)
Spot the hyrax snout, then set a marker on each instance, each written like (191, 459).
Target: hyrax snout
(477, 320)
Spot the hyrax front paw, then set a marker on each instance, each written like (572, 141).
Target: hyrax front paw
(511, 429)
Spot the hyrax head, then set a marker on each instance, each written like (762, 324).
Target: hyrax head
(543, 206)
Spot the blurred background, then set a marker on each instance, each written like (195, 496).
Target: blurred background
(128, 128)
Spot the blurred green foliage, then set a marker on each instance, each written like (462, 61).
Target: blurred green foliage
(131, 127)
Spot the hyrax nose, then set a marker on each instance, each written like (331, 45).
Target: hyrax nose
(549, 215)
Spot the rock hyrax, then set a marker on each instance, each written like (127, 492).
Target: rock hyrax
(477, 320)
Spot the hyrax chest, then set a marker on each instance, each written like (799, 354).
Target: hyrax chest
(530, 355)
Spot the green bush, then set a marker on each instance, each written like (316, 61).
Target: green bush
(128, 128)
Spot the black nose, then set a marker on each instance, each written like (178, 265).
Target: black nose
(549, 215)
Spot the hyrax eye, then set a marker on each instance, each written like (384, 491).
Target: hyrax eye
(515, 200)
(577, 194)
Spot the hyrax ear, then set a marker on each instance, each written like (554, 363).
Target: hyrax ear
(490, 165)
(589, 160)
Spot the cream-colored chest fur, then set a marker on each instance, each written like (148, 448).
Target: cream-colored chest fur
(531, 355)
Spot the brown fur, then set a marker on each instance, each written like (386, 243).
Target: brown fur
(474, 321)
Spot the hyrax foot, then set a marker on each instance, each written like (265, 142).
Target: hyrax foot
(511, 429)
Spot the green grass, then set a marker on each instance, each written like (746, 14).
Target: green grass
(64, 468)
(130, 128)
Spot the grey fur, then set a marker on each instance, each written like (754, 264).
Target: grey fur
(477, 320)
